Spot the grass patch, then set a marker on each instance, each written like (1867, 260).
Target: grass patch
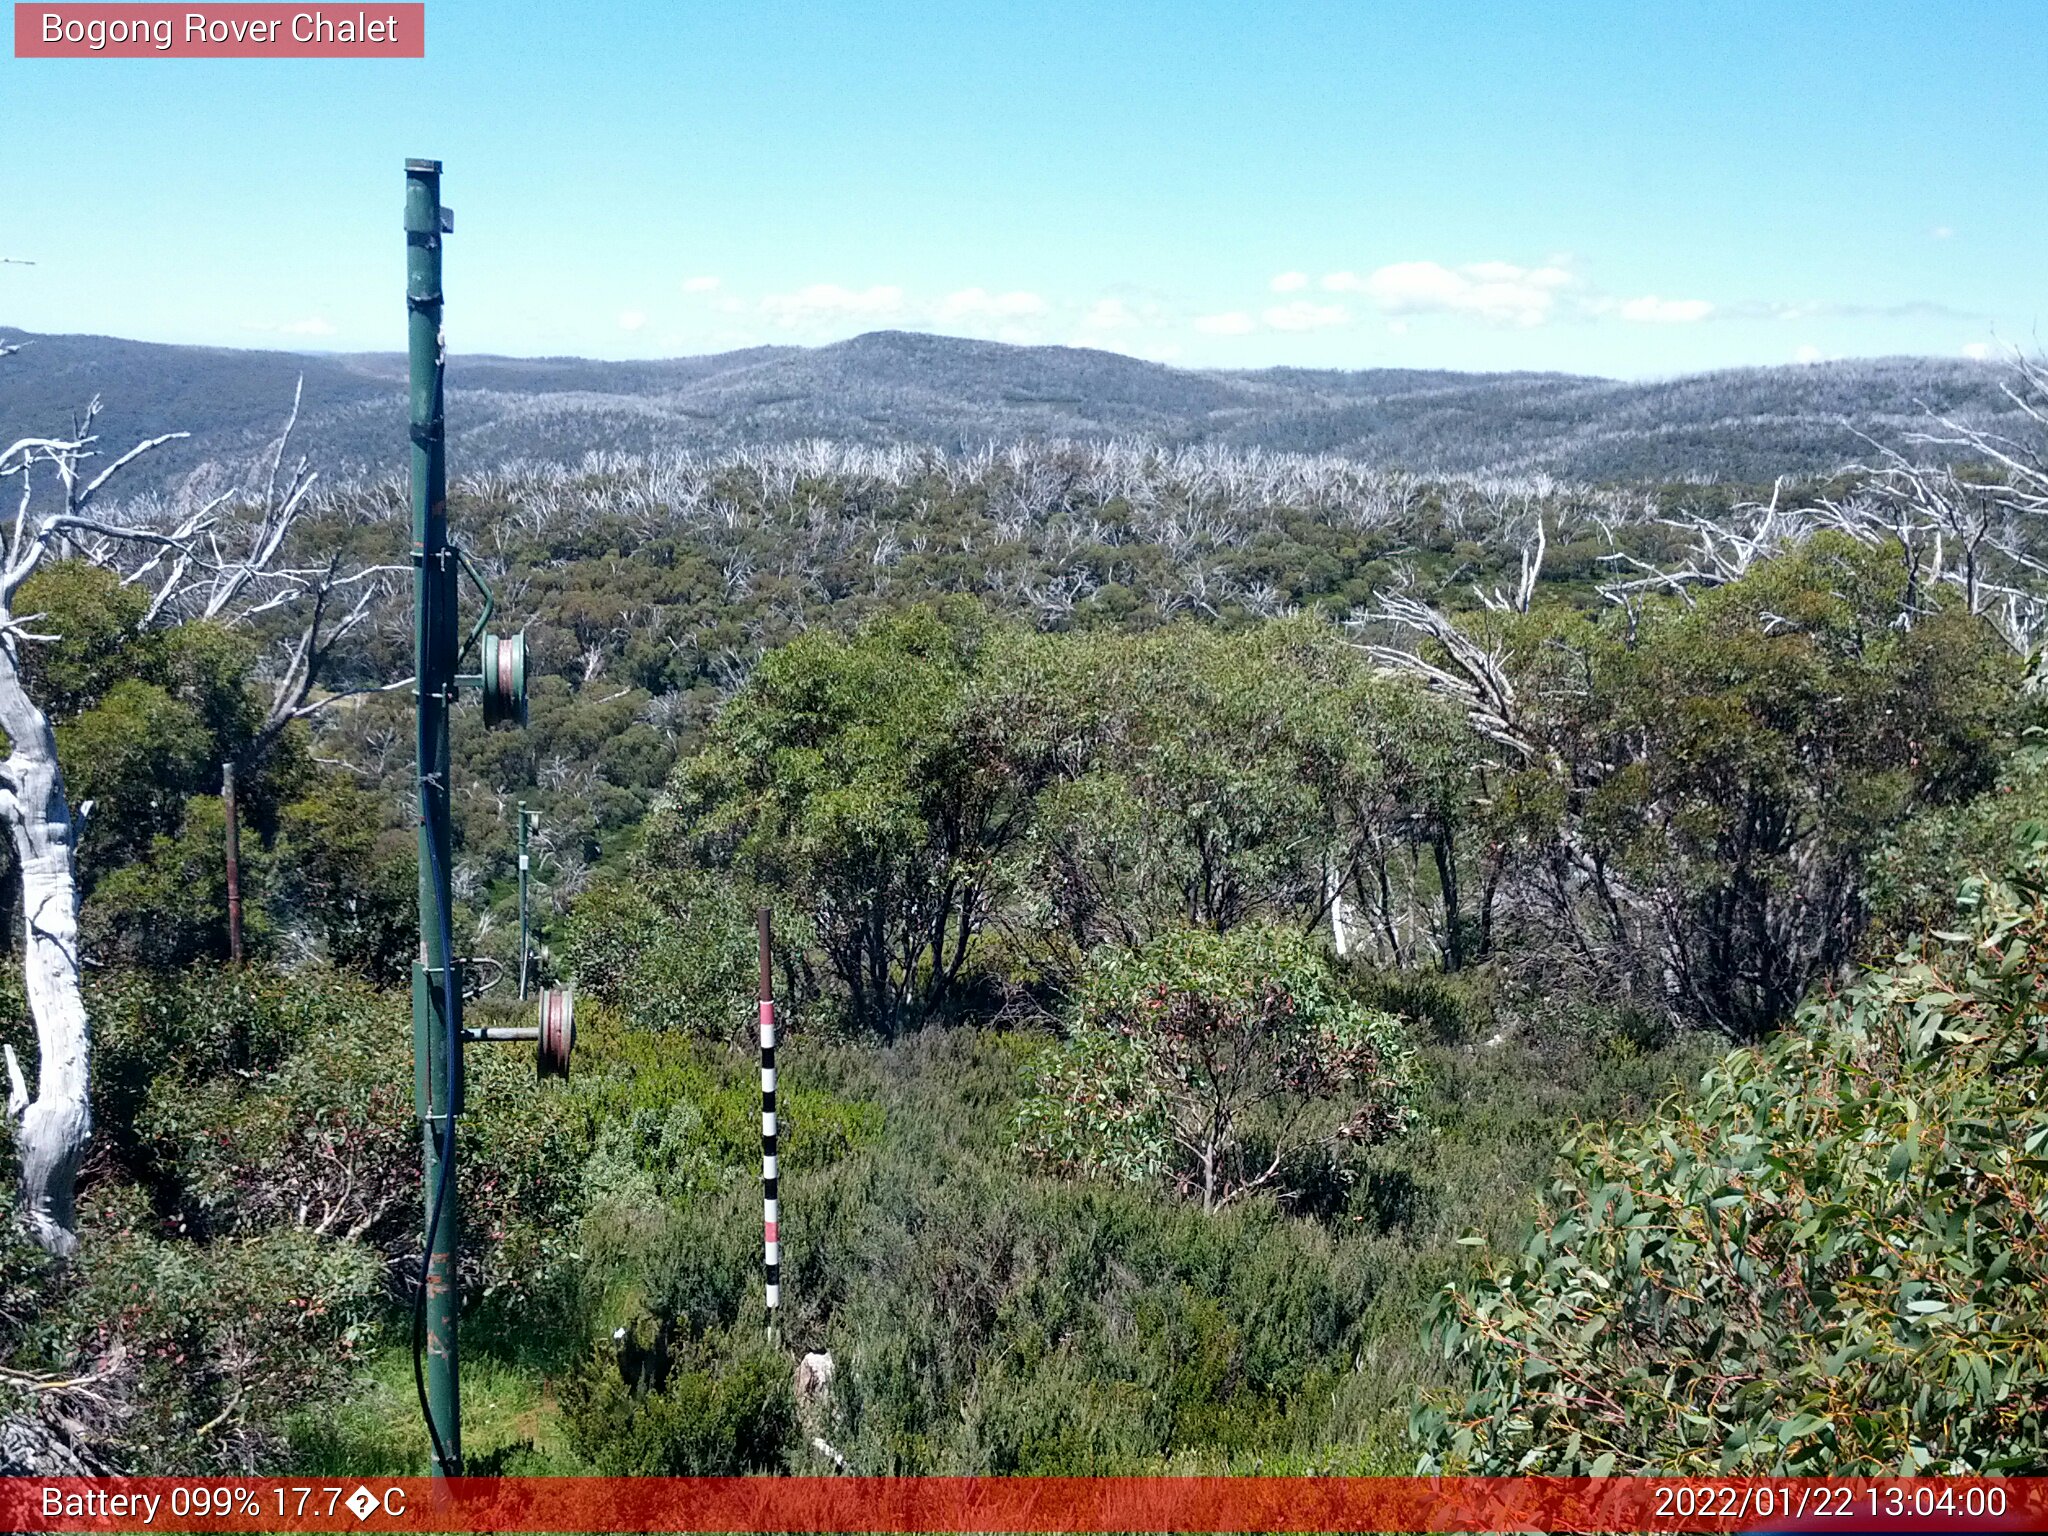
(511, 1424)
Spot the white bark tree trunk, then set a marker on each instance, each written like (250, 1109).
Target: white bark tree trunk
(55, 1124)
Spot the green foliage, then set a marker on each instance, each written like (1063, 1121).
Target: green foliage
(341, 873)
(905, 789)
(850, 780)
(669, 1121)
(145, 716)
(673, 951)
(1914, 874)
(1219, 1062)
(162, 1033)
(1207, 778)
(721, 1407)
(135, 755)
(327, 1142)
(523, 1194)
(1712, 776)
(104, 641)
(247, 1102)
(218, 1342)
(1831, 1260)
(169, 906)
(987, 1321)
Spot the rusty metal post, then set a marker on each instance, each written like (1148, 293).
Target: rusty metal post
(525, 934)
(233, 813)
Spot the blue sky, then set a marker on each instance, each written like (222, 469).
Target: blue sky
(1633, 189)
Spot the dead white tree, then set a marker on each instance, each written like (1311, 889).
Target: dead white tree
(55, 1122)
(238, 549)
(1976, 521)
(1723, 549)
(206, 564)
(1471, 675)
(1525, 587)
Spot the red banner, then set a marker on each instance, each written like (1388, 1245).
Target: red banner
(1025, 1504)
(100, 31)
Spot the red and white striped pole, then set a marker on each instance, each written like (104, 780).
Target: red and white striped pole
(771, 1242)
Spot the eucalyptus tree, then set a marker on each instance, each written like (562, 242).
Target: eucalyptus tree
(848, 779)
(1687, 787)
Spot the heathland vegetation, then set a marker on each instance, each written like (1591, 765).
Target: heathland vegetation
(1287, 966)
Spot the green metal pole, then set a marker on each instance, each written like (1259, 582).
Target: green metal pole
(522, 901)
(437, 993)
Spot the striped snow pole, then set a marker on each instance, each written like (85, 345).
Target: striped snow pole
(771, 1243)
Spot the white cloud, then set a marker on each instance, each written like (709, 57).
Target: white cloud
(1809, 353)
(1290, 282)
(699, 284)
(1234, 323)
(1131, 322)
(829, 301)
(1306, 315)
(980, 304)
(1941, 232)
(1495, 291)
(632, 319)
(1977, 351)
(1652, 310)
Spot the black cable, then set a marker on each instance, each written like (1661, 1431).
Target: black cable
(442, 1182)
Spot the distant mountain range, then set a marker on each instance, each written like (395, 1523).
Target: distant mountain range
(892, 386)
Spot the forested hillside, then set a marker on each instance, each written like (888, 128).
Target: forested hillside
(1262, 939)
(894, 388)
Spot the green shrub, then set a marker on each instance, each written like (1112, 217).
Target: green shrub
(217, 1342)
(1833, 1259)
(206, 1029)
(723, 1405)
(668, 1116)
(1222, 1062)
(672, 951)
(1446, 1009)
(348, 881)
(524, 1146)
(325, 1141)
(1914, 875)
(247, 1102)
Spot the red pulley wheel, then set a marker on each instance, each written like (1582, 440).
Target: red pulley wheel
(557, 1030)
(504, 680)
